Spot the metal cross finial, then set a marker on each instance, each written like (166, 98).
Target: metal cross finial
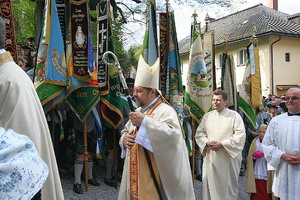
(195, 15)
(226, 40)
(254, 39)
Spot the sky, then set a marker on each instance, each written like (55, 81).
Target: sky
(183, 13)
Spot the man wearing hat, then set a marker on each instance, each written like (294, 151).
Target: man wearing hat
(130, 85)
(156, 159)
(125, 104)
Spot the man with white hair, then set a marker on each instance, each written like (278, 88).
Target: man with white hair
(281, 146)
(21, 110)
(156, 159)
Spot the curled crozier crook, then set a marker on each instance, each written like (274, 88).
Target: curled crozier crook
(116, 63)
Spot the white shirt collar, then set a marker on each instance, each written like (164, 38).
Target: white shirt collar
(145, 110)
(2, 51)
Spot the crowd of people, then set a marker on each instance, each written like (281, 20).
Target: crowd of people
(26, 54)
(152, 155)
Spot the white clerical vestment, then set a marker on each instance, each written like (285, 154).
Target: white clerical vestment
(283, 136)
(221, 168)
(169, 159)
(21, 110)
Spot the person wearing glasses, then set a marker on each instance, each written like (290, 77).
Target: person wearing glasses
(156, 164)
(281, 146)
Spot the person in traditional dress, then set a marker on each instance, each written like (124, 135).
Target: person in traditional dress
(257, 171)
(79, 151)
(281, 146)
(221, 138)
(21, 110)
(111, 178)
(22, 170)
(156, 159)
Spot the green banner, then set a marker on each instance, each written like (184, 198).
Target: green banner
(195, 111)
(83, 100)
(248, 111)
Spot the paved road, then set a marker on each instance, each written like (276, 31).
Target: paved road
(104, 192)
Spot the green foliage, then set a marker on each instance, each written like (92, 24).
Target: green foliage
(138, 52)
(93, 15)
(131, 55)
(24, 13)
(118, 45)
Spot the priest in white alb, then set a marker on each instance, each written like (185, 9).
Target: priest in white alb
(221, 138)
(281, 146)
(156, 159)
(22, 111)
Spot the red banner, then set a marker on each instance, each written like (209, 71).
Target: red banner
(6, 14)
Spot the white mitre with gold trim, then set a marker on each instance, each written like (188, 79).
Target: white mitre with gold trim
(147, 76)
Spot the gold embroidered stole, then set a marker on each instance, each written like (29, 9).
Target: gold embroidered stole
(5, 57)
(140, 187)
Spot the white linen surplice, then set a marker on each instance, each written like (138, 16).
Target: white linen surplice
(221, 168)
(283, 136)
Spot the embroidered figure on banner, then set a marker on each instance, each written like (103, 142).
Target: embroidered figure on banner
(80, 37)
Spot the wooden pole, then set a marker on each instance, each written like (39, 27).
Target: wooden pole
(115, 158)
(193, 148)
(86, 170)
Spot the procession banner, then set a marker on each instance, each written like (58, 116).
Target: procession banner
(7, 14)
(56, 70)
(150, 49)
(228, 82)
(110, 100)
(111, 106)
(79, 38)
(245, 91)
(51, 73)
(200, 77)
(102, 47)
(163, 46)
(256, 97)
(209, 59)
(83, 93)
(173, 91)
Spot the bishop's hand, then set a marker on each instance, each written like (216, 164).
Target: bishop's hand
(136, 118)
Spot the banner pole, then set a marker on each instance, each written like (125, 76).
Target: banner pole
(115, 158)
(193, 149)
(86, 170)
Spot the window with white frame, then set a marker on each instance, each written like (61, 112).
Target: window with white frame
(242, 57)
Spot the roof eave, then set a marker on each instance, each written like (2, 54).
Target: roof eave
(258, 36)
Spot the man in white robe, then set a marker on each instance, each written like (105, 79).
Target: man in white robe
(221, 138)
(21, 110)
(281, 146)
(160, 136)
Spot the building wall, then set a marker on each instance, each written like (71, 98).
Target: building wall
(185, 67)
(284, 73)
